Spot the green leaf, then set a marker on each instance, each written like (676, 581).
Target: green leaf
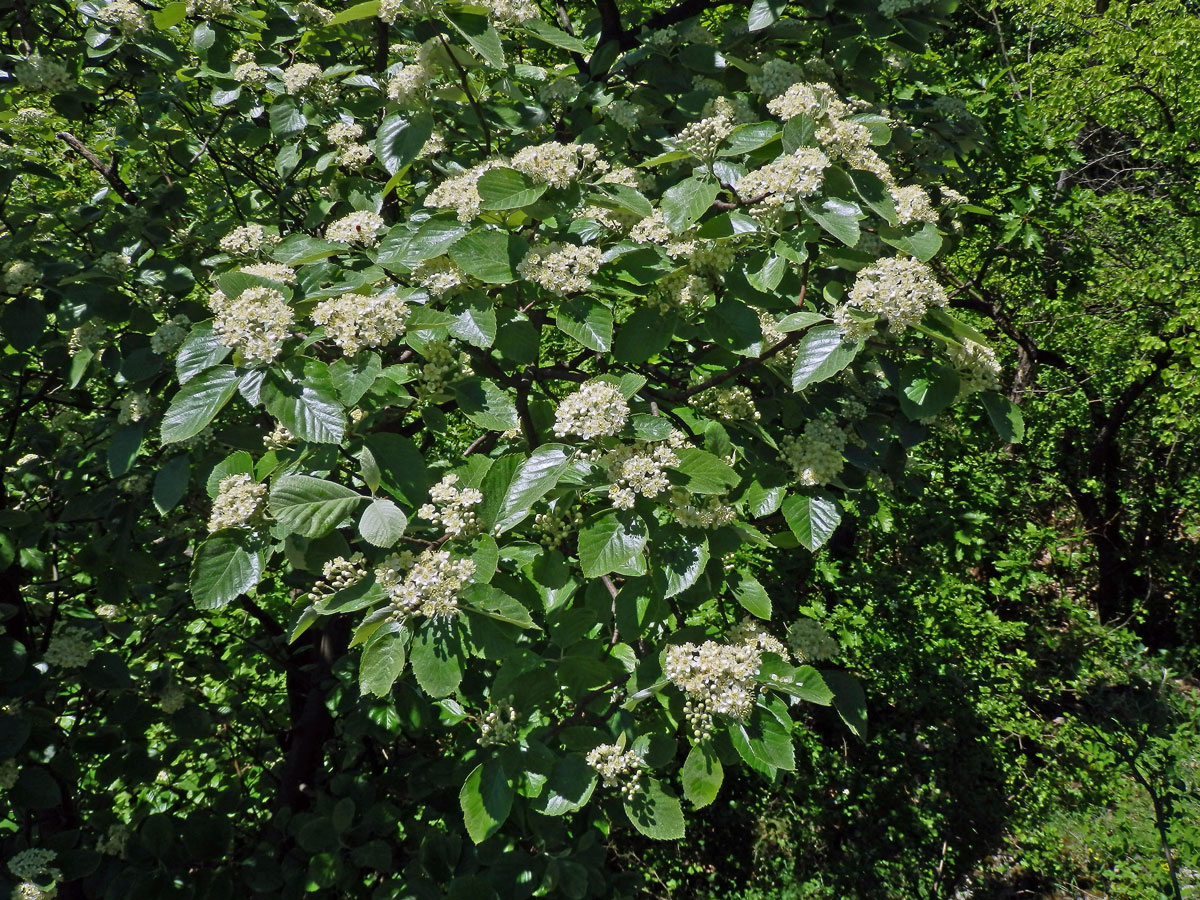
(299, 249)
(623, 197)
(764, 14)
(704, 473)
(311, 507)
(486, 404)
(751, 594)
(534, 478)
(655, 813)
(809, 685)
(748, 137)
(383, 660)
(927, 388)
(812, 518)
(568, 788)
(681, 555)
(286, 118)
(170, 16)
(503, 188)
(197, 402)
(401, 466)
(644, 334)
(687, 201)
(352, 378)
(923, 243)
(480, 35)
(838, 217)
(171, 482)
(495, 604)
(489, 254)
(358, 11)
(610, 541)
(437, 657)
(702, 775)
(1005, 416)
(556, 37)
(799, 131)
(486, 800)
(587, 321)
(123, 448)
(223, 569)
(406, 249)
(401, 138)
(382, 523)
(849, 700)
(309, 409)
(475, 320)
(821, 354)
(876, 194)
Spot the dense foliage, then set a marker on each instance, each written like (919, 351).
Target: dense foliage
(455, 449)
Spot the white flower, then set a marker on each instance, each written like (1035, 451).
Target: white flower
(598, 409)
(113, 843)
(311, 14)
(41, 73)
(815, 457)
(786, 178)
(410, 83)
(810, 642)
(338, 575)
(816, 100)
(272, 271)
(391, 10)
(553, 163)
(251, 73)
(709, 511)
(357, 228)
(307, 78)
(561, 268)
(913, 204)
(19, 275)
(452, 507)
(132, 408)
(498, 726)
(439, 276)
(510, 12)
(355, 321)
(173, 699)
(341, 134)
(638, 468)
(71, 648)
(729, 404)
(113, 263)
(442, 365)
(618, 768)
(247, 240)
(460, 192)
(240, 503)
(124, 15)
(256, 322)
(34, 865)
(280, 438)
(977, 366)
(718, 679)
(209, 9)
(703, 137)
(900, 289)
(429, 588)
(86, 335)
(354, 156)
(775, 77)
(10, 770)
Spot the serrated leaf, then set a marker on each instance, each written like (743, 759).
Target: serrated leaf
(171, 482)
(923, 243)
(123, 448)
(403, 248)
(568, 788)
(702, 775)
(475, 321)
(489, 255)
(752, 596)
(556, 37)
(383, 661)
(821, 354)
(309, 409)
(437, 657)
(655, 813)
(587, 321)
(197, 402)
(503, 188)
(495, 604)
(812, 518)
(311, 507)
(748, 137)
(681, 555)
(875, 192)
(1005, 416)
(486, 404)
(486, 800)
(849, 700)
(382, 523)
(357, 11)
(704, 473)
(927, 388)
(533, 479)
(299, 249)
(684, 203)
(223, 569)
(480, 35)
(764, 14)
(401, 138)
(838, 217)
(609, 542)
(809, 685)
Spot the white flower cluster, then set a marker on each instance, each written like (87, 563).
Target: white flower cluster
(123, 15)
(810, 642)
(461, 192)
(307, 79)
(133, 408)
(411, 82)
(338, 574)
(256, 322)
(29, 117)
(977, 366)
(19, 275)
(555, 164)
(775, 77)
(624, 113)
(28, 890)
(511, 12)
(440, 276)
(10, 771)
(913, 204)
(561, 90)
(279, 438)
(34, 865)
(729, 404)
(113, 843)
(443, 364)
(708, 511)
(452, 507)
(499, 725)
(113, 263)
(247, 71)
(598, 409)
(429, 588)
(272, 271)
(750, 631)
(702, 138)
(900, 289)
(247, 240)
(812, 100)
(41, 73)
(209, 9)
(356, 321)
(718, 679)
(850, 142)
(310, 14)
(561, 268)
(346, 136)
(785, 179)
(639, 468)
(172, 699)
(240, 503)
(70, 649)
(356, 228)
(618, 768)
(557, 523)
(87, 335)
(815, 457)
(391, 10)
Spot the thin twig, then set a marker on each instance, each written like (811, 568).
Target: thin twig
(110, 173)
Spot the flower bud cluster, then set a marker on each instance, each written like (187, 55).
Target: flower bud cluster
(308, 80)
(256, 322)
(209, 9)
(451, 507)
(554, 164)
(19, 275)
(42, 73)
(247, 71)
(702, 138)
(774, 78)
(338, 574)
(247, 240)
(310, 14)
(345, 136)
(639, 468)
(815, 457)
(618, 768)
(729, 404)
(557, 523)
(273, 271)
(977, 366)
(391, 10)
(499, 725)
(750, 631)
(410, 83)
(34, 865)
(786, 178)
(598, 409)
(133, 408)
(440, 276)
(123, 15)
(624, 113)
(899, 289)
(357, 321)
(357, 228)
(707, 511)
(71, 648)
(443, 364)
(429, 588)
(718, 679)
(113, 263)
(511, 12)
(810, 642)
(561, 268)
(113, 843)
(240, 503)
(10, 771)
(279, 438)
(172, 699)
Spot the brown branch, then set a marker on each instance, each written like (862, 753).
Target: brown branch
(110, 173)
(466, 86)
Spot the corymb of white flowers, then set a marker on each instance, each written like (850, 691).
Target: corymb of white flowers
(899, 289)
(240, 503)
(555, 164)
(37, 876)
(452, 507)
(618, 768)
(357, 228)
(357, 321)
(430, 586)
(561, 268)
(810, 642)
(785, 179)
(71, 648)
(255, 323)
(247, 240)
(815, 456)
(598, 409)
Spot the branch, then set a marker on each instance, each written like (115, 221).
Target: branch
(610, 22)
(109, 172)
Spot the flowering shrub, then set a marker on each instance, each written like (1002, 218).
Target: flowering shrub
(497, 358)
